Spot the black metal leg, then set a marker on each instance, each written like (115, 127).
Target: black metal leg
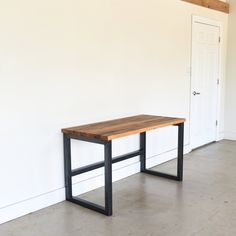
(179, 176)
(180, 151)
(108, 178)
(67, 166)
(143, 152)
(107, 210)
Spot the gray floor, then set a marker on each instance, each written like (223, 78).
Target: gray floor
(204, 204)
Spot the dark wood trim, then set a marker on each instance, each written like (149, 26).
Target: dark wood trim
(211, 4)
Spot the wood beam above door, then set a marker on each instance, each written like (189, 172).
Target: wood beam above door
(211, 4)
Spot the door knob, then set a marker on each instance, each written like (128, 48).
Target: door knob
(195, 93)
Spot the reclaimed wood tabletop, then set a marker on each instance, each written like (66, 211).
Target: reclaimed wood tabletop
(112, 129)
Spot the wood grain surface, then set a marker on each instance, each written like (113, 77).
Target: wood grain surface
(212, 4)
(118, 128)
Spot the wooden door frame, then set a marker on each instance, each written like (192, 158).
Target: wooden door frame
(207, 21)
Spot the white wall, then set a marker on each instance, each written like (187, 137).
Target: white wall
(64, 63)
(230, 125)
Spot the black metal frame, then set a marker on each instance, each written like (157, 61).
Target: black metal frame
(107, 163)
(179, 176)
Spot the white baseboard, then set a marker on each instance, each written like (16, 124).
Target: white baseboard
(220, 136)
(121, 173)
(45, 200)
(31, 205)
(230, 136)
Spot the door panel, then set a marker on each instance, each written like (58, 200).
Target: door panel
(205, 64)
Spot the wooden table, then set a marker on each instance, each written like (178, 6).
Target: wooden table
(103, 133)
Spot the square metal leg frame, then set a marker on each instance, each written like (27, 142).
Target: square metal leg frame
(179, 176)
(107, 164)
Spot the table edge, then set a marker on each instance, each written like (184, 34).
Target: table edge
(66, 131)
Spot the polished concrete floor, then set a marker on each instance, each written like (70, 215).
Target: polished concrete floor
(203, 205)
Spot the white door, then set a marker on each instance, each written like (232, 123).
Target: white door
(204, 82)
